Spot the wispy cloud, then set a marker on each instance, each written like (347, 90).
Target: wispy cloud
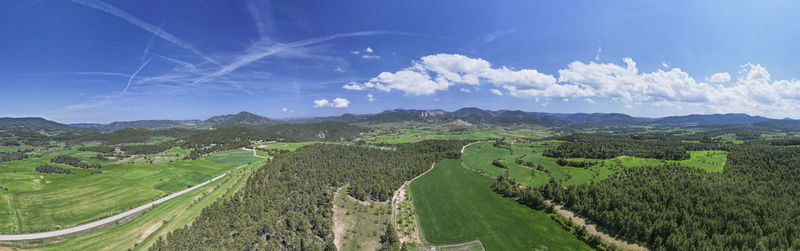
(254, 8)
(130, 80)
(260, 51)
(99, 5)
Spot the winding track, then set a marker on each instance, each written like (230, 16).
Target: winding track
(100, 222)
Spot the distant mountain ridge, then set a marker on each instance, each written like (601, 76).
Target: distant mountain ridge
(463, 116)
(239, 119)
(31, 124)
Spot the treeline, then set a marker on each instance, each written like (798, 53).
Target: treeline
(752, 204)
(287, 204)
(534, 198)
(604, 146)
(132, 136)
(73, 161)
(12, 156)
(52, 169)
(572, 163)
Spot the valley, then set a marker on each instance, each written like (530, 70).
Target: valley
(492, 186)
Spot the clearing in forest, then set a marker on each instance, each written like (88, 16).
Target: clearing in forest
(358, 226)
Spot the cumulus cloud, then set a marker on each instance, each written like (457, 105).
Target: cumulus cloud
(367, 53)
(340, 103)
(321, 103)
(465, 90)
(497, 92)
(438, 72)
(721, 77)
(337, 103)
(753, 92)
(370, 97)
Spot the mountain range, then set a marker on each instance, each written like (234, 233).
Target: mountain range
(462, 116)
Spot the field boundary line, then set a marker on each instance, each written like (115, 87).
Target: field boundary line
(459, 244)
(110, 219)
(592, 229)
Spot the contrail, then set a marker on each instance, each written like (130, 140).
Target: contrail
(260, 53)
(130, 80)
(95, 4)
(255, 13)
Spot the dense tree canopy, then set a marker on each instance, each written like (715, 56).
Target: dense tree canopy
(287, 204)
(752, 204)
(602, 146)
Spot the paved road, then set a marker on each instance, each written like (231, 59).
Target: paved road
(100, 222)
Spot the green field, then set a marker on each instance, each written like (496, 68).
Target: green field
(456, 205)
(40, 202)
(479, 157)
(405, 133)
(141, 232)
(711, 161)
(235, 157)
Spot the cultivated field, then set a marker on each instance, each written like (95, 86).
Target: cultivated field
(141, 232)
(456, 205)
(37, 202)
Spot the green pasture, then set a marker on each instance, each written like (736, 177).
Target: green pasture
(40, 202)
(141, 232)
(456, 205)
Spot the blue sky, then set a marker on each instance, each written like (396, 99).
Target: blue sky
(112, 60)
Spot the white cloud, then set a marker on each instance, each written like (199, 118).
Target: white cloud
(465, 90)
(104, 7)
(285, 109)
(337, 103)
(355, 52)
(321, 103)
(497, 92)
(370, 56)
(754, 92)
(589, 100)
(338, 69)
(370, 97)
(354, 86)
(438, 72)
(664, 64)
(368, 50)
(340, 103)
(721, 77)
(597, 55)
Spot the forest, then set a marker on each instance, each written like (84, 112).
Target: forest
(52, 169)
(12, 156)
(752, 204)
(604, 146)
(287, 204)
(73, 161)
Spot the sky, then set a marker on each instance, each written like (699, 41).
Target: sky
(112, 60)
